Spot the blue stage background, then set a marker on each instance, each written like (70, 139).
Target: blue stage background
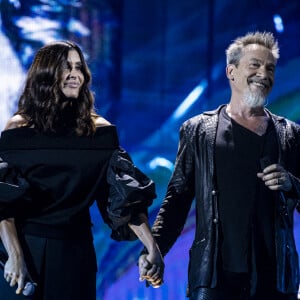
(155, 64)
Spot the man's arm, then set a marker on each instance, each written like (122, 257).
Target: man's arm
(176, 205)
(180, 194)
(151, 267)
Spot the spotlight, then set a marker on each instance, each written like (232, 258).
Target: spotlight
(278, 23)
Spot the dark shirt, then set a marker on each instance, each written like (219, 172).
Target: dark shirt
(245, 204)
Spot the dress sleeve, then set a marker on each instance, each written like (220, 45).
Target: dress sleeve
(13, 191)
(130, 192)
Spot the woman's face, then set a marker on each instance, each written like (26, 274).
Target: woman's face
(72, 76)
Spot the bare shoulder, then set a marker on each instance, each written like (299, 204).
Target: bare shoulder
(15, 122)
(100, 121)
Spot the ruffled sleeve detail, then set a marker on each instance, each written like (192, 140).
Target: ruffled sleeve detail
(130, 193)
(13, 191)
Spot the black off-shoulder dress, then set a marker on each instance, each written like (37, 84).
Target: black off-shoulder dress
(57, 177)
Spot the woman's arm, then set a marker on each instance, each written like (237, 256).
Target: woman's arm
(151, 265)
(15, 269)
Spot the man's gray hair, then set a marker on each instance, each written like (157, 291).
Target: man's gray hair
(266, 39)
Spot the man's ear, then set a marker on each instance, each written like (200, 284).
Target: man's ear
(230, 71)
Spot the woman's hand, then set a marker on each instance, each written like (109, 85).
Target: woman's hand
(151, 265)
(15, 268)
(15, 272)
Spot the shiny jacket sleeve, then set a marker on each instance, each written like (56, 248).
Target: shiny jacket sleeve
(291, 153)
(295, 194)
(180, 193)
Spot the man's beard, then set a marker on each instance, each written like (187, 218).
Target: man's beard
(254, 100)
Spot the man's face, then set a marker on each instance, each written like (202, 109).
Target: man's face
(254, 76)
(72, 76)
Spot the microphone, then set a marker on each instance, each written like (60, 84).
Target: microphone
(29, 287)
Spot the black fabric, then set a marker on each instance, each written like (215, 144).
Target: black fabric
(231, 286)
(28, 138)
(13, 191)
(130, 192)
(217, 294)
(266, 287)
(54, 264)
(236, 286)
(246, 206)
(69, 172)
(204, 294)
(263, 217)
(237, 156)
(66, 174)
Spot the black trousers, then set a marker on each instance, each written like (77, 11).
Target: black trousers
(234, 286)
(64, 269)
(216, 294)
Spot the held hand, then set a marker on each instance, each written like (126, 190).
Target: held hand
(156, 273)
(276, 178)
(144, 266)
(151, 268)
(15, 272)
(151, 265)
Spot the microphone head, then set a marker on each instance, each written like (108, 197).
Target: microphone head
(28, 289)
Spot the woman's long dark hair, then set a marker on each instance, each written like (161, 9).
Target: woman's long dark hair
(42, 102)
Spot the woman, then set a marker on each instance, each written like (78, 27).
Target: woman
(68, 156)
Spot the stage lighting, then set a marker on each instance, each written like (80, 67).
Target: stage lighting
(278, 23)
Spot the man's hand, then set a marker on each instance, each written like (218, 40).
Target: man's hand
(151, 271)
(276, 178)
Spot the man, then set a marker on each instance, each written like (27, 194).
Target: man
(241, 163)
